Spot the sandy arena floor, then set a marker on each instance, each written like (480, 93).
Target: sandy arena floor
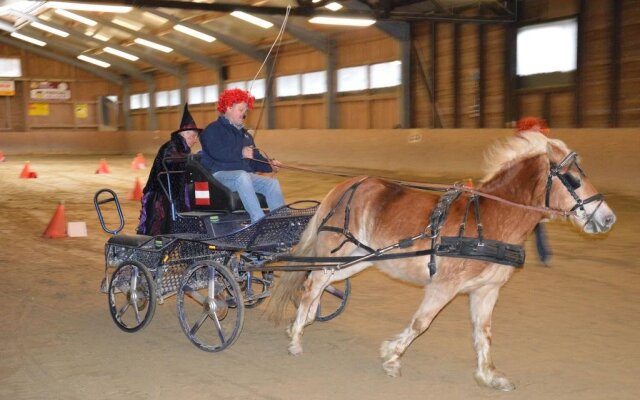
(566, 332)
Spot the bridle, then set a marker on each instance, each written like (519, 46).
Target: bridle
(571, 183)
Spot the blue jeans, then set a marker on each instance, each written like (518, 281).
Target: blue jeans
(247, 185)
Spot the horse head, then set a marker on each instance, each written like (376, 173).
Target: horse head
(568, 188)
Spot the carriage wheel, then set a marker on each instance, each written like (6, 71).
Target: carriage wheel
(210, 306)
(132, 296)
(333, 300)
(259, 289)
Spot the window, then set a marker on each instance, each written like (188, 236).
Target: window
(314, 82)
(134, 102)
(257, 88)
(386, 74)
(237, 85)
(548, 47)
(352, 78)
(211, 94)
(144, 100)
(162, 98)
(174, 97)
(195, 95)
(10, 68)
(288, 85)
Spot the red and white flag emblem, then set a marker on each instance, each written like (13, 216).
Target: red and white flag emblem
(202, 194)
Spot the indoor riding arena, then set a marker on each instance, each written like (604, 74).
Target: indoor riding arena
(414, 92)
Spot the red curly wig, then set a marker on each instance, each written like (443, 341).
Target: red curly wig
(528, 123)
(232, 96)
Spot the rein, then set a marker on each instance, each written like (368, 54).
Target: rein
(435, 187)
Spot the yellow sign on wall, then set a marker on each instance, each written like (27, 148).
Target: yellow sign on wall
(82, 110)
(38, 109)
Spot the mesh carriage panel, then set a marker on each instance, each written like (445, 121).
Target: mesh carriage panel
(278, 231)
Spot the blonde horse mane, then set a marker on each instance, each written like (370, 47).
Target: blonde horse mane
(511, 149)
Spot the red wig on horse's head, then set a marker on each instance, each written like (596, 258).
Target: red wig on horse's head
(232, 96)
(532, 123)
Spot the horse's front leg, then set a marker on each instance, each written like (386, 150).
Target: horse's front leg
(436, 297)
(306, 313)
(481, 303)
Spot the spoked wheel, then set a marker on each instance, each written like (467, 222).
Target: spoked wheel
(333, 300)
(210, 306)
(255, 287)
(132, 296)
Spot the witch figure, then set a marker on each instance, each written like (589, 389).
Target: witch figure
(157, 214)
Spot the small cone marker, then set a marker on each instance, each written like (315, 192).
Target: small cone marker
(103, 168)
(57, 226)
(138, 162)
(1, 156)
(26, 172)
(469, 183)
(136, 194)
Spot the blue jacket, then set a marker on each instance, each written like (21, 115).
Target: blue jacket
(222, 145)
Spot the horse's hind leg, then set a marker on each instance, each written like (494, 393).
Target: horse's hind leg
(436, 297)
(313, 288)
(482, 302)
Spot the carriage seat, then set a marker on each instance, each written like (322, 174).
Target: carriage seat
(220, 197)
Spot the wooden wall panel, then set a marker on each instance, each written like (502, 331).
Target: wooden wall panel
(384, 113)
(444, 74)
(469, 75)
(288, 115)
(313, 116)
(596, 72)
(421, 107)
(359, 48)
(531, 104)
(629, 113)
(353, 114)
(61, 115)
(494, 72)
(561, 104)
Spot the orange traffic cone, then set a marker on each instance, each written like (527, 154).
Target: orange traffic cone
(137, 191)
(138, 162)
(26, 171)
(57, 226)
(103, 168)
(1, 156)
(469, 183)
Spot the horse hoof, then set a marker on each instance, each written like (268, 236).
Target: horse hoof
(497, 382)
(392, 368)
(295, 349)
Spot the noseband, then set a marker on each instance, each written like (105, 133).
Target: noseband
(571, 183)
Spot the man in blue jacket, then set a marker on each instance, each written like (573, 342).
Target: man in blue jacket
(228, 151)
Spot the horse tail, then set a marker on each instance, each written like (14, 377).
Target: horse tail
(288, 288)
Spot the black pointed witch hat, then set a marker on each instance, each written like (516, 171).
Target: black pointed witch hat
(187, 123)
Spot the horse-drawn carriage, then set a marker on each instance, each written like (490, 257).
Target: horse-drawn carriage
(219, 264)
(213, 260)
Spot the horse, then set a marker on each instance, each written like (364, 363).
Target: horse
(531, 170)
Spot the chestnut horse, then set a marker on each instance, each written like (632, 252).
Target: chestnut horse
(529, 169)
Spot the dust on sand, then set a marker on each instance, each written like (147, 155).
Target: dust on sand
(566, 332)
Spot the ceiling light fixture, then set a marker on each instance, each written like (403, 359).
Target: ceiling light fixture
(94, 61)
(7, 27)
(192, 32)
(28, 39)
(342, 21)
(333, 6)
(88, 7)
(134, 26)
(122, 54)
(101, 37)
(76, 17)
(156, 18)
(153, 45)
(49, 29)
(251, 19)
